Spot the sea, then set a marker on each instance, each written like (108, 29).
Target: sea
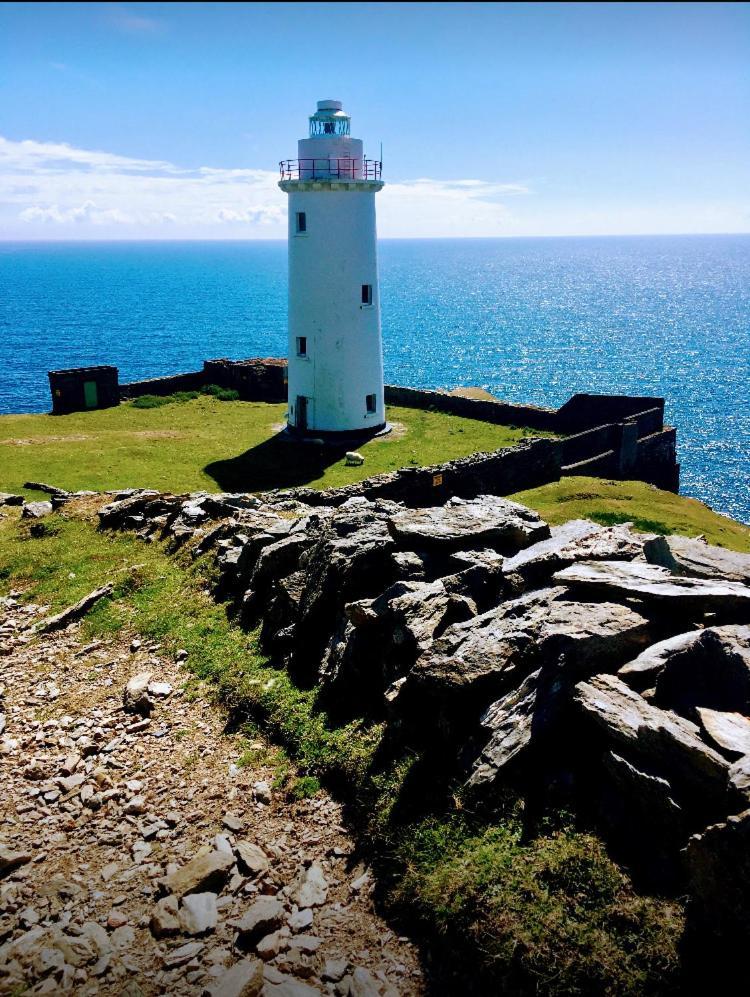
(531, 320)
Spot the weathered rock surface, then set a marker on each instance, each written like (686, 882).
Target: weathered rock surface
(244, 979)
(577, 540)
(198, 913)
(262, 917)
(135, 698)
(667, 744)
(200, 874)
(653, 584)
(473, 661)
(683, 556)
(728, 732)
(486, 521)
(36, 510)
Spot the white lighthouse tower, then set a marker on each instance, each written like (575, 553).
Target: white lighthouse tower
(335, 348)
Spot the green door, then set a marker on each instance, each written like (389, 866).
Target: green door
(90, 397)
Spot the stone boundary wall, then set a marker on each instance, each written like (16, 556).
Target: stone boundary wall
(256, 380)
(527, 465)
(501, 413)
(190, 381)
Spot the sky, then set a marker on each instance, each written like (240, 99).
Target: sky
(167, 121)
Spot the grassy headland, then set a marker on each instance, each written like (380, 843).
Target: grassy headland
(209, 444)
(648, 508)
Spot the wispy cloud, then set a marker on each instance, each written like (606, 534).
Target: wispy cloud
(132, 23)
(52, 188)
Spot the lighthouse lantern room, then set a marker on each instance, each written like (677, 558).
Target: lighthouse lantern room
(335, 348)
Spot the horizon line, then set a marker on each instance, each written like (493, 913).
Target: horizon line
(408, 238)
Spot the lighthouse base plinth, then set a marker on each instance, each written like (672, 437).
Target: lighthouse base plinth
(337, 438)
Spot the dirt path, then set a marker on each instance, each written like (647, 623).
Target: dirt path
(98, 806)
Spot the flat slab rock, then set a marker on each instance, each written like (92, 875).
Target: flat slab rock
(651, 582)
(577, 540)
(486, 521)
(730, 732)
(666, 742)
(685, 556)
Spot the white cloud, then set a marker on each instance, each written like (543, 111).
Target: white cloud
(134, 24)
(51, 188)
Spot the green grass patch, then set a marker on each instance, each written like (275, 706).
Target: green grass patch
(552, 916)
(191, 441)
(648, 508)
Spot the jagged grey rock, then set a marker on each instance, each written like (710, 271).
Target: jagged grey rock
(486, 521)
(714, 673)
(508, 722)
(655, 585)
(384, 636)
(244, 979)
(202, 873)
(6, 498)
(252, 859)
(135, 697)
(685, 556)
(577, 540)
(261, 918)
(73, 613)
(164, 920)
(728, 732)
(474, 662)
(669, 745)
(310, 887)
(12, 858)
(36, 510)
(198, 913)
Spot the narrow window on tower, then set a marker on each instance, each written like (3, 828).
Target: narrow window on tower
(301, 222)
(370, 404)
(367, 294)
(301, 346)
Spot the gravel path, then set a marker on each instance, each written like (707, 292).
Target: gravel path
(137, 857)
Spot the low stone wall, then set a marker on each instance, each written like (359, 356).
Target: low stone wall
(497, 412)
(190, 381)
(502, 472)
(257, 380)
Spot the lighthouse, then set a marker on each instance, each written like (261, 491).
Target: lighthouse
(335, 346)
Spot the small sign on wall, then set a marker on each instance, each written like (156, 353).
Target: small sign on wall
(437, 480)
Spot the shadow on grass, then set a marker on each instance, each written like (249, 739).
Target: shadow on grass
(279, 462)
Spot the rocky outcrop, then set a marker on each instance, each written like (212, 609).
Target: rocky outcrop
(609, 665)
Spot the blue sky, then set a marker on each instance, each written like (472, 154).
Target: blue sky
(149, 120)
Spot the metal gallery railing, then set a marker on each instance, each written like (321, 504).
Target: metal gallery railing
(330, 169)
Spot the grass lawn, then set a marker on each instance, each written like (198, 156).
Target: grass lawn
(648, 508)
(219, 445)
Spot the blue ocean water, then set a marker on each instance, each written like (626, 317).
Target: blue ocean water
(532, 320)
